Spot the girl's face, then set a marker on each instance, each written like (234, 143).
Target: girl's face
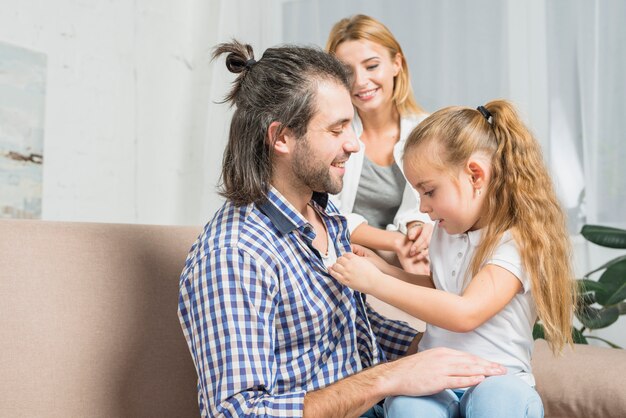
(449, 197)
(374, 72)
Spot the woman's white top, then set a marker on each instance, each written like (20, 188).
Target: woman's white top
(409, 208)
(507, 337)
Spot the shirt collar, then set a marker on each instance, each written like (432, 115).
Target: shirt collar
(282, 214)
(474, 237)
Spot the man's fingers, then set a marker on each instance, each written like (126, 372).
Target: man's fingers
(468, 365)
(463, 382)
(464, 364)
(474, 369)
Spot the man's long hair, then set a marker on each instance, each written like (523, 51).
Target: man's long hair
(279, 87)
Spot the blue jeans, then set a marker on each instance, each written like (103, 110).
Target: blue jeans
(375, 412)
(497, 396)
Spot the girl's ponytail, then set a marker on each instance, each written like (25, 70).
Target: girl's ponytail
(522, 192)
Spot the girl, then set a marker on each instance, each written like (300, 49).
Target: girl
(381, 207)
(499, 257)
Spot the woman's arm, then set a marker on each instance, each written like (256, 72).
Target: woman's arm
(386, 268)
(412, 278)
(380, 239)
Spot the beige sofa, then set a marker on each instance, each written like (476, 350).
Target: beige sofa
(89, 329)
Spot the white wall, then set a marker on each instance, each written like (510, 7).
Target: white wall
(126, 102)
(132, 134)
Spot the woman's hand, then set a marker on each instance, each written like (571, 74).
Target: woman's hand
(419, 234)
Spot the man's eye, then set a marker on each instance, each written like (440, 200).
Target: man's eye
(429, 193)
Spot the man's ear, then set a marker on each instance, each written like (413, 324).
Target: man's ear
(279, 139)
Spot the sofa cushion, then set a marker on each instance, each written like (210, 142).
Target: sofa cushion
(89, 325)
(587, 381)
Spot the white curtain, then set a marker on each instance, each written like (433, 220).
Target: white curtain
(258, 23)
(562, 62)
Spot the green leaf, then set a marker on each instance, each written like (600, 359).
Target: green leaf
(538, 332)
(605, 236)
(586, 286)
(613, 345)
(607, 264)
(614, 281)
(593, 318)
(586, 299)
(578, 337)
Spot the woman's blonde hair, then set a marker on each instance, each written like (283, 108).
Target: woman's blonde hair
(519, 197)
(364, 27)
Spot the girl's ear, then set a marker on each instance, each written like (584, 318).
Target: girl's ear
(279, 139)
(478, 172)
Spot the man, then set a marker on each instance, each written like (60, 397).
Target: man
(271, 333)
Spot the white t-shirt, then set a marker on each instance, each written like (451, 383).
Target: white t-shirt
(507, 337)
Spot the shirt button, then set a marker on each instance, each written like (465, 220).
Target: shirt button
(459, 255)
(453, 272)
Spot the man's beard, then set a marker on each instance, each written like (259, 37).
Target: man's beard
(312, 172)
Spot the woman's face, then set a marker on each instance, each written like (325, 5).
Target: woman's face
(374, 72)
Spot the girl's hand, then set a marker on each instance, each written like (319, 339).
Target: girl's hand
(356, 272)
(371, 256)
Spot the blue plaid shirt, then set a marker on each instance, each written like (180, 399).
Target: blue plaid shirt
(264, 321)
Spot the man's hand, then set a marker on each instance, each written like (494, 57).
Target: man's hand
(420, 374)
(434, 370)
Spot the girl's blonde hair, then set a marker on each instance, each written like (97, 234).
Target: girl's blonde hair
(364, 27)
(519, 197)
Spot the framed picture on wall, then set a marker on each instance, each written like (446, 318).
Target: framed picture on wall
(22, 103)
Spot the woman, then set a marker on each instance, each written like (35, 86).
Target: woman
(381, 207)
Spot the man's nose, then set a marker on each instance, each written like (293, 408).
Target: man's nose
(351, 144)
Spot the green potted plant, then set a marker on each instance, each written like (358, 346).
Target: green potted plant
(601, 302)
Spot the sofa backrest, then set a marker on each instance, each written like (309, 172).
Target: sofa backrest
(88, 328)
(88, 323)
